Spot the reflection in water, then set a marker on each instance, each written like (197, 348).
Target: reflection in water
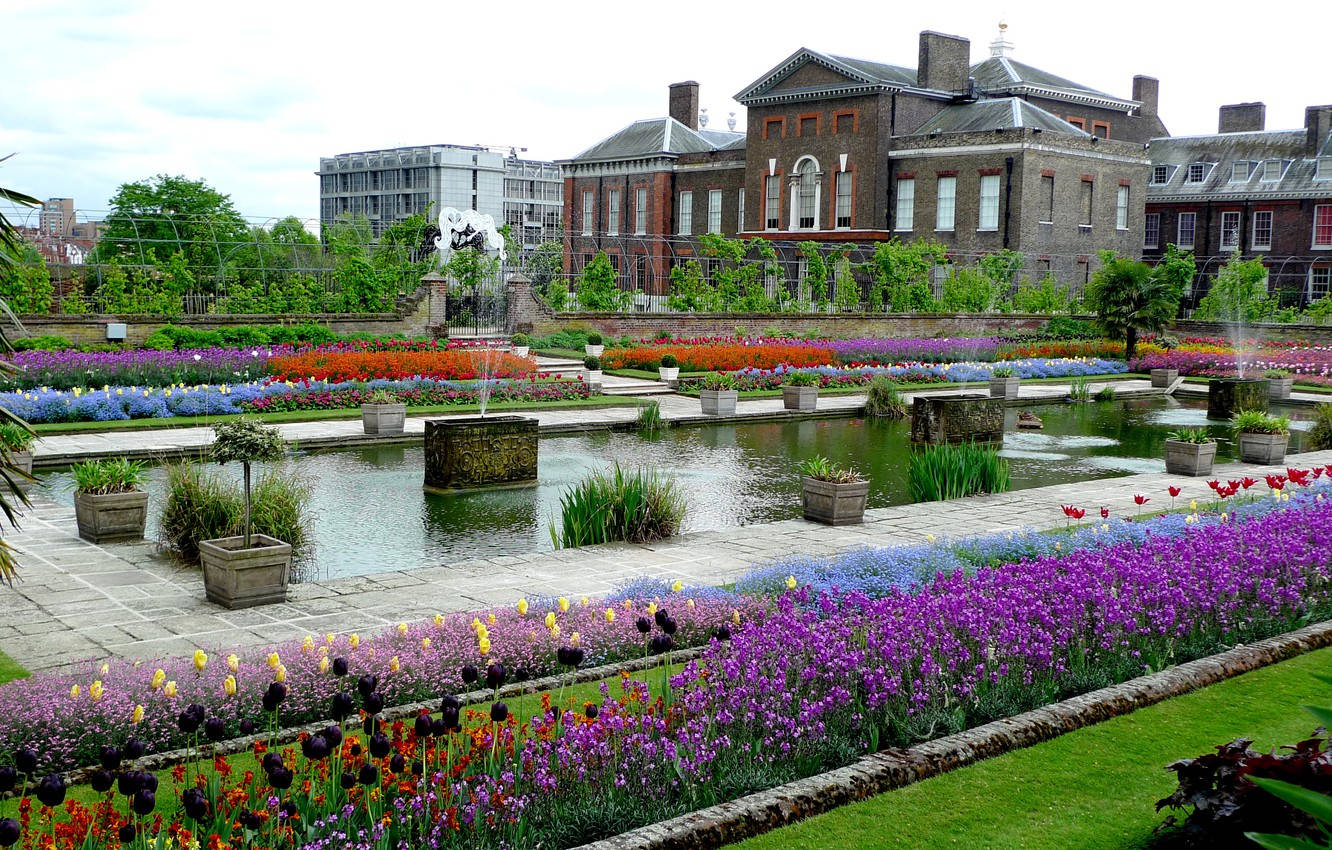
(370, 513)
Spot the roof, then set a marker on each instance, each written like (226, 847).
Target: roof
(1001, 75)
(1004, 113)
(1222, 151)
(889, 74)
(657, 136)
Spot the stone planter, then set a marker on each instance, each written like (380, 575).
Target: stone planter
(800, 398)
(236, 577)
(1189, 458)
(1265, 449)
(471, 452)
(521, 350)
(957, 419)
(111, 517)
(1227, 395)
(593, 350)
(834, 504)
(383, 418)
(718, 402)
(1279, 388)
(592, 377)
(22, 460)
(669, 374)
(1163, 378)
(1003, 387)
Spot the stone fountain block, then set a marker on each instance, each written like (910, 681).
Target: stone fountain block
(471, 452)
(957, 419)
(1227, 395)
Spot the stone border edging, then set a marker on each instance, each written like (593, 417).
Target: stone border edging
(895, 768)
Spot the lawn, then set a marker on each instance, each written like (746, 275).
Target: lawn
(1093, 789)
(911, 388)
(10, 669)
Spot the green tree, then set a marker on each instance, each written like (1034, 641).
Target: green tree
(900, 275)
(25, 285)
(690, 292)
(1128, 297)
(1002, 267)
(1048, 296)
(968, 290)
(1238, 294)
(544, 264)
(598, 289)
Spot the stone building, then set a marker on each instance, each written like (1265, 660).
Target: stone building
(1266, 194)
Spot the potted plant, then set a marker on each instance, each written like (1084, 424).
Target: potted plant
(1279, 382)
(382, 413)
(592, 371)
(1190, 451)
(594, 348)
(717, 394)
(1163, 378)
(519, 342)
(108, 503)
(249, 569)
(669, 370)
(17, 440)
(833, 495)
(1003, 382)
(1262, 438)
(800, 391)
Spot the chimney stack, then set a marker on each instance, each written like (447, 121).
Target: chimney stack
(1317, 127)
(1147, 91)
(684, 103)
(1242, 118)
(944, 63)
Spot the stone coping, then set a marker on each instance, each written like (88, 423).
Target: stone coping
(888, 769)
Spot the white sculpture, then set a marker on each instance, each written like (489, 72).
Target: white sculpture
(467, 229)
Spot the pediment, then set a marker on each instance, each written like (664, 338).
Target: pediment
(805, 69)
(810, 75)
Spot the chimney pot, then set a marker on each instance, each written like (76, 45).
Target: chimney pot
(1317, 128)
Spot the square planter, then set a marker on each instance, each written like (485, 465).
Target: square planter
(521, 350)
(834, 504)
(1003, 388)
(593, 350)
(1162, 378)
(668, 374)
(384, 418)
(1189, 458)
(1279, 387)
(236, 577)
(592, 377)
(718, 402)
(800, 398)
(1263, 448)
(111, 517)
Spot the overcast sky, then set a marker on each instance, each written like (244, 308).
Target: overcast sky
(249, 95)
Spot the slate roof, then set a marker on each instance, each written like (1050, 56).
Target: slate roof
(1005, 113)
(890, 74)
(656, 136)
(1001, 75)
(1222, 150)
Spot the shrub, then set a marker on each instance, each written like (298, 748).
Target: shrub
(669, 361)
(649, 419)
(594, 338)
(598, 289)
(883, 399)
(518, 339)
(1320, 435)
(1276, 374)
(1106, 393)
(557, 295)
(104, 476)
(47, 342)
(801, 379)
(939, 473)
(1197, 436)
(717, 381)
(638, 507)
(1001, 372)
(201, 504)
(592, 364)
(1258, 422)
(380, 396)
(821, 469)
(16, 438)
(1079, 389)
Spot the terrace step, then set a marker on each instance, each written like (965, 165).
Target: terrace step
(637, 388)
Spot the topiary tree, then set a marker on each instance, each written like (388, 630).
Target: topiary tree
(249, 441)
(1128, 297)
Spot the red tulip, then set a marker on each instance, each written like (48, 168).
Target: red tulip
(1174, 491)
(1276, 482)
(1140, 500)
(1078, 513)
(1068, 510)
(1105, 512)
(1248, 482)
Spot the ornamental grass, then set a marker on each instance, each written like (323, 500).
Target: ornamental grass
(955, 471)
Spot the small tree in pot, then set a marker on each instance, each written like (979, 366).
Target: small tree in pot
(800, 391)
(108, 504)
(1190, 451)
(519, 343)
(1279, 383)
(669, 370)
(1262, 438)
(831, 494)
(594, 347)
(592, 371)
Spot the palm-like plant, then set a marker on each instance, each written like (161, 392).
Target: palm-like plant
(1128, 296)
(11, 494)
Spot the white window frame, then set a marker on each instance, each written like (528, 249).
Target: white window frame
(806, 193)
(1272, 170)
(640, 210)
(685, 213)
(1151, 230)
(1235, 177)
(740, 210)
(772, 202)
(1204, 167)
(588, 211)
(1163, 170)
(945, 223)
(1257, 242)
(1193, 230)
(1324, 272)
(905, 219)
(1323, 168)
(612, 212)
(1122, 208)
(1321, 246)
(1234, 231)
(714, 210)
(987, 218)
(843, 180)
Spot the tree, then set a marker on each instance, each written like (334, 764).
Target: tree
(1128, 296)
(1238, 294)
(598, 289)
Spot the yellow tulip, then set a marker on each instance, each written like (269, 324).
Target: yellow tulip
(330, 638)
(106, 668)
(394, 664)
(689, 603)
(229, 686)
(439, 620)
(735, 616)
(323, 664)
(573, 639)
(74, 692)
(170, 689)
(95, 690)
(233, 663)
(490, 619)
(564, 605)
(930, 538)
(137, 715)
(482, 632)
(425, 643)
(610, 615)
(790, 583)
(159, 679)
(677, 587)
(200, 660)
(555, 631)
(354, 641)
(484, 646)
(402, 629)
(323, 652)
(522, 607)
(307, 645)
(550, 619)
(652, 608)
(584, 601)
(280, 675)
(273, 661)
(476, 624)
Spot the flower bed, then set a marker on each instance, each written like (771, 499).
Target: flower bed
(723, 357)
(887, 351)
(1100, 349)
(924, 373)
(420, 393)
(338, 365)
(64, 370)
(1308, 364)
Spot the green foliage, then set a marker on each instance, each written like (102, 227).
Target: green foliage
(1105, 393)
(1063, 327)
(939, 473)
(883, 399)
(649, 420)
(592, 364)
(103, 476)
(164, 215)
(968, 290)
(821, 469)
(1128, 297)
(846, 295)
(16, 437)
(557, 295)
(594, 338)
(1196, 436)
(247, 440)
(1238, 293)
(1002, 267)
(518, 339)
(26, 285)
(544, 264)
(669, 361)
(1259, 422)
(380, 396)
(201, 504)
(598, 288)
(814, 287)
(170, 336)
(900, 273)
(801, 379)
(48, 342)
(1320, 435)
(1079, 388)
(717, 381)
(638, 507)
(1048, 296)
(1001, 372)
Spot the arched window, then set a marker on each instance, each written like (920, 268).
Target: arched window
(805, 194)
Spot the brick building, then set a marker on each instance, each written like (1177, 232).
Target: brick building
(981, 157)
(1264, 193)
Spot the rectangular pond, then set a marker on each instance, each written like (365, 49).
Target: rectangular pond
(370, 513)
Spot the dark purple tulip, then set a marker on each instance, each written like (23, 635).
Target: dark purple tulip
(723, 632)
(9, 832)
(469, 674)
(450, 701)
(194, 804)
(26, 761)
(590, 710)
(367, 684)
(422, 726)
(661, 644)
(379, 745)
(373, 703)
(520, 674)
(197, 710)
(289, 809)
(271, 761)
(149, 781)
(250, 819)
(101, 780)
(451, 718)
(368, 775)
(347, 780)
(339, 666)
(644, 625)
(8, 778)
(273, 697)
(129, 782)
(342, 706)
(215, 728)
(499, 712)
(51, 790)
(315, 747)
(187, 722)
(333, 734)
(439, 727)
(355, 749)
(669, 626)
(247, 726)
(144, 802)
(133, 749)
(418, 767)
(661, 617)
(575, 656)
(397, 763)
(109, 757)
(495, 675)
(280, 778)
(126, 833)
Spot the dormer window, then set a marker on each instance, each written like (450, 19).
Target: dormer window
(1160, 175)
(1272, 169)
(1198, 172)
(1240, 171)
(1323, 170)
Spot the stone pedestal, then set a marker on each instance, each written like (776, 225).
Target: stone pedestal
(473, 452)
(937, 420)
(1225, 396)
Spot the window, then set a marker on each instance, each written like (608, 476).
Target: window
(1240, 172)
(809, 125)
(1187, 225)
(843, 199)
(1151, 231)
(1322, 229)
(1320, 282)
(613, 212)
(1087, 192)
(714, 210)
(1080, 123)
(740, 210)
(1262, 230)
(1230, 224)
(1101, 129)
(640, 210)
(774, 128)
(587, 212)
(906, 203)
(807, 187)
(1121, 208)
(989, 202)
(686, 213)
(772, 202)
(946, 203)
(1160, 174)
(1323, 170)
(1047, 198)
(844, 122)
(1198, 172)
(1272, 169)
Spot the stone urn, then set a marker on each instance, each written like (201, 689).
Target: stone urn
(718, 402)
(668, 374)
(1004, 387)
(1184, 458)
(521, 350)
(1163, 378)
(111, 517)
(834, 504)
(384, 419)
(593, 350)
(1266, 449)
(1279, 388)
(592, 377)
(237, 577)
(803, 399)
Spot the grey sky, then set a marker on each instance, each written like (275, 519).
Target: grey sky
(249, 95)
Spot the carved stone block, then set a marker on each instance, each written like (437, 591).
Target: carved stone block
(471, 452)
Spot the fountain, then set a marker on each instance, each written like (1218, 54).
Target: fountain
(1225, 396)
(967, 418)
